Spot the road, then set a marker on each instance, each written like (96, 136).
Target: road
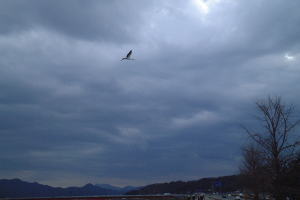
(217, 197)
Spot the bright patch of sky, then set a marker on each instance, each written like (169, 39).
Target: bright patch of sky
(289, 57)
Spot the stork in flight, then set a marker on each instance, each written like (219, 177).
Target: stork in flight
(128, 56)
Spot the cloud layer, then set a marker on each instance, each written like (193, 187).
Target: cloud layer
(72, 113)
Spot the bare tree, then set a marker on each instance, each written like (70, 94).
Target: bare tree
(252, 169)
(275, 139)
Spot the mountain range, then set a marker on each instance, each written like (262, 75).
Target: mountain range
(15, 188)
(215, 184)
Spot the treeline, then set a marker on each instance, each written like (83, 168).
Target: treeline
(219, 184)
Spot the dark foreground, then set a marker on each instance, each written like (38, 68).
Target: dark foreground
(117, 197)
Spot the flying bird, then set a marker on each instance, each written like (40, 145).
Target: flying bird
(128, 56)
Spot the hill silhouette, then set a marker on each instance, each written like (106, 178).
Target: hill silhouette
(15, 188)
(219, 184)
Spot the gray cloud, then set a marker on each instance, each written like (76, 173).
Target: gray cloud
(71, 109)
(107, 21)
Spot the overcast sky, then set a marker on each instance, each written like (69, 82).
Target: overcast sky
(72, 113)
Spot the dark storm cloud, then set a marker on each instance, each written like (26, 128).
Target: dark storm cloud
(72, 113)
(91, 20)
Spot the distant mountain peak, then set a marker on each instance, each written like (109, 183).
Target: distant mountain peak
(15, 188)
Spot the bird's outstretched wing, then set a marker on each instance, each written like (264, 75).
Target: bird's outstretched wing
(129, 54)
